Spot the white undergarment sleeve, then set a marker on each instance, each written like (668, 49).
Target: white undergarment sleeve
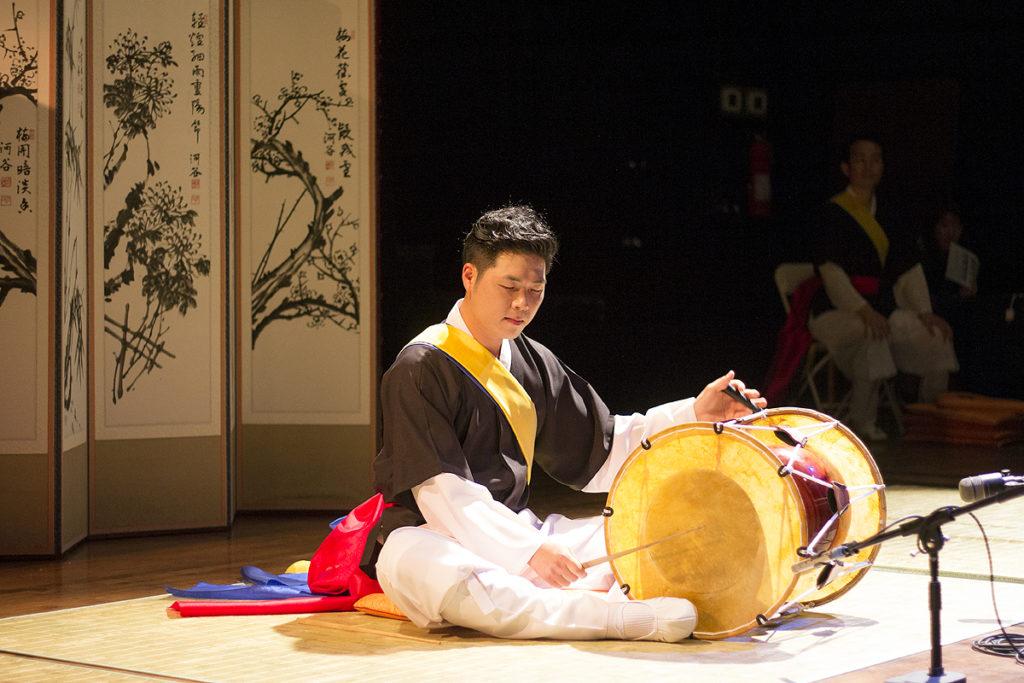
(630, 430)
(466, 511)
(840, 290)
(911, 291)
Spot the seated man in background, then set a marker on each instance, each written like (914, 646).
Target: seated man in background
(874, 313)
(469, 407)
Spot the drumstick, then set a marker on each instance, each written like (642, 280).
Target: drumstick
(622, 553)
(732, 393)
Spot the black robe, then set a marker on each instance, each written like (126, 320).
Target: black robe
(837, 237)
(437, 419)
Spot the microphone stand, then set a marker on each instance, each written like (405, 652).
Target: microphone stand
(929, 533)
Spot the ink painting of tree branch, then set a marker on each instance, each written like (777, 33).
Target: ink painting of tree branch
(74, 327)
(72, 295)
(152, 250)
(19, 66)
(17, 269)
(21, 62)
(309, 268)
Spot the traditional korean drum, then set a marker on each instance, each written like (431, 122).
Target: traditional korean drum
(758, 495)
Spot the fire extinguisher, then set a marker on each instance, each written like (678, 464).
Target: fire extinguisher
(759, 187)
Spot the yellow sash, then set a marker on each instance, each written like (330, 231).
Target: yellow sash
(865, 220)
(498, 382)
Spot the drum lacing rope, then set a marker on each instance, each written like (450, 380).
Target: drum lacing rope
(807, 431)
(749, 418)
(739, 422)
(825, 527)
(796, 604)
(873, 487)
(788, 469)
(839, 513)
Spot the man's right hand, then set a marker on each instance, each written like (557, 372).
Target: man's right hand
(875, 324)
(556, 565)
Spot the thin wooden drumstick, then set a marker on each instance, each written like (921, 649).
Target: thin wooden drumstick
(735, 395)
(622, 553)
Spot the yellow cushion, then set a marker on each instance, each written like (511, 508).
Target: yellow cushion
(379, 605)
(298, 567)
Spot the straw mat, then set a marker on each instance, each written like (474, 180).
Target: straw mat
(882, 618)
(964, 553)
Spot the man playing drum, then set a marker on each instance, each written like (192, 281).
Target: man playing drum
(469, 407)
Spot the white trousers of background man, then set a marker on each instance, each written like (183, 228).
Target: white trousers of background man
(910, 348)
(436, 582)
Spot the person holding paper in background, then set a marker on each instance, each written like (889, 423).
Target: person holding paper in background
(952, 274)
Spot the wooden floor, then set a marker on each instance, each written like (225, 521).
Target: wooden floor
(118, 569)
(101, 571)
(932, 464)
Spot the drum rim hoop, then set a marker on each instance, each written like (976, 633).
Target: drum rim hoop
(719, 427)
(876, 475)
(718, 430)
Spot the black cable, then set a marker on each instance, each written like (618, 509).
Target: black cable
(899, 521)
(1000, 644)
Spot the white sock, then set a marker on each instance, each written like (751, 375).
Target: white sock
(635, 620)
(669, 620)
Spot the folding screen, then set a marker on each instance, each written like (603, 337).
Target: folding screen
(74, 345)
(304, 161)
(27, 297)
(159, 456)
(128, 326)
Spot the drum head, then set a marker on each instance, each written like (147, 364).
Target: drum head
(747, 524)
(849, 462)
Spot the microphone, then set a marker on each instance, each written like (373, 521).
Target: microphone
(985, 485)
(822, 559)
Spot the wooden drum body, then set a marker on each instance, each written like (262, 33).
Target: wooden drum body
(754, 503)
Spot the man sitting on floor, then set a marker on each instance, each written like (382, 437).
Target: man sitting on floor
(468, 407)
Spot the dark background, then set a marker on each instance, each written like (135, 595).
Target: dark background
(607, 120)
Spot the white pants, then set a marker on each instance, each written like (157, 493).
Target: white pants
(910, 348)
(436, 583)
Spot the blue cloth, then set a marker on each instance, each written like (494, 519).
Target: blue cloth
(260, 585)
(257, 575)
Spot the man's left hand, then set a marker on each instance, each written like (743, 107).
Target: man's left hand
(714, 406)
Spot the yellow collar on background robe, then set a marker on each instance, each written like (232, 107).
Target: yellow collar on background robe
(495, 379)
(867, 222)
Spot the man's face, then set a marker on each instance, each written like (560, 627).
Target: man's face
(864, 168)
(948, 230)
(502, 300)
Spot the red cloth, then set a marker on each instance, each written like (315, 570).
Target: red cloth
(218, 608)
(795, 338)
(334, 567)
(333, 570)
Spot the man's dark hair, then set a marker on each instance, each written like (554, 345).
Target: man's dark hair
(944, 206)
(858, 136)
(516, 229)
